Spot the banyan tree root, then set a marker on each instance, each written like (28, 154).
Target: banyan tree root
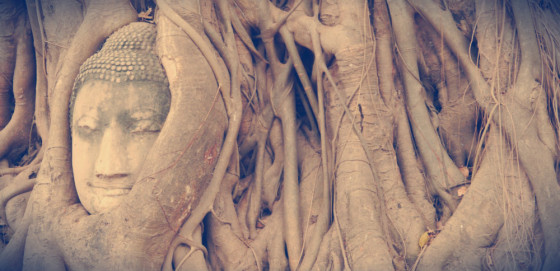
(382, 157)
(443, 173)
(17, 74)
(230, 246)
(494, 222)
(231, 94)
(41, 97)
(7, 56)
(22, 183)
(458, 113)
(369, 110)
(410, 169)
(412, 177)
(527, 127)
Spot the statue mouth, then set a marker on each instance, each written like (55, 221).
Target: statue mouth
(112, 188)
(114, 192)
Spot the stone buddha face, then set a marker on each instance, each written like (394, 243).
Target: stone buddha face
(121, 99)
(114, 125)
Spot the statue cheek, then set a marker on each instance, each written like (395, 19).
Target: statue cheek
(83, 156)
(83, 160)
(137, 150)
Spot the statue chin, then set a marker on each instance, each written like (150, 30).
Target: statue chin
(100, 200)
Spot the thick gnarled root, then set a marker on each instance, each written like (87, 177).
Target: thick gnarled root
(17, 74)
(496, 213)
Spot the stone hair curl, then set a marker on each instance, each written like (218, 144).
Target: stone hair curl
(127, 55)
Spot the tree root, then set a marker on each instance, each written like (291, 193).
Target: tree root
(528, 99)
(291, 188)
(20, 184)
(16, 133)
(485, 207)
(412, 177)
(330, 254)
(443, 173)
(273, 174)
(232, 98)
(313, 245)
(458, 114)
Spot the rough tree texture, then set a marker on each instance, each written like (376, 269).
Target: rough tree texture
(302, 134)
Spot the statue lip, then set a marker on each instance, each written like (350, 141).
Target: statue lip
(114, 187)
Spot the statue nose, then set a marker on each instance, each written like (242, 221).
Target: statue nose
(112, 159)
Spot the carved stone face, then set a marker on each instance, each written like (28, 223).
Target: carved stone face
(114, 125)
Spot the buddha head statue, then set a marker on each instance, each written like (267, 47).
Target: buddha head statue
(119, 103)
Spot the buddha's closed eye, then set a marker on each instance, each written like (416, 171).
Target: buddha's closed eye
(145, 126)
(145, 122)
(87, 125)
